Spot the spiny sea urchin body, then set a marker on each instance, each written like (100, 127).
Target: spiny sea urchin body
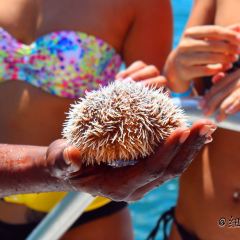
(123, 121)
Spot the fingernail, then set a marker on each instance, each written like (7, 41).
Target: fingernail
(236, 57)
(229, 110)
(230, 65)
(221, 117)
(208, 140)
(129, 79)
(66, 156)
(73, 168)
(184, 136)
(207, 130)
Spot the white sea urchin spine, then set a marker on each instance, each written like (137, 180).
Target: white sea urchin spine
(123, 121)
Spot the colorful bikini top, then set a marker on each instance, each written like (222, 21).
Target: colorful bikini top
(64, 63)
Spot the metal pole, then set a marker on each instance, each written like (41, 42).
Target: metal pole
(60, 219)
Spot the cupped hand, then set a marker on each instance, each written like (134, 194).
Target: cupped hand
(223, 97)
(141, 72)
(132, 182)
(203, 51)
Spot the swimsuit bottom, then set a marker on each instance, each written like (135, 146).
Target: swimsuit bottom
(22, 231)
(165, 219)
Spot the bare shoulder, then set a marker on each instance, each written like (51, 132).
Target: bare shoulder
(150, 35)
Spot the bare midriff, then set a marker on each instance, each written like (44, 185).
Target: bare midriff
(210, 188)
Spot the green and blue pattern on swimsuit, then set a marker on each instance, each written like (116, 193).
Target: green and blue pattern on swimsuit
(64, 63)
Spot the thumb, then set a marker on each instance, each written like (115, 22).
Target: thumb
(72, 155)
(235, 27)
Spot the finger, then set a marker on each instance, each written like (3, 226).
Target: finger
(58, 165)
(203, 71)
(230, 105)
(68, 163)
(200, 134)
(164, 154)
(229, 78)
(213, 102)
(127, 179)
(234, 108)
(152, 167)
(218, 77)
(214, 32)
(223, 67)
(54, 153)
(235, 27)
(227, 103)
(134, 67)
(157, 82)
(206, 70)
(149, 71)
(200, 58)
(132, 177)
(219, 92)
(72, 155)
(215, 46)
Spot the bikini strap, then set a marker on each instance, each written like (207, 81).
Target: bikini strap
(165, 219)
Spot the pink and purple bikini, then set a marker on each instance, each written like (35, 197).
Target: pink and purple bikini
(63, 63)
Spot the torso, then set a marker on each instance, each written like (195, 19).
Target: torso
(208, 187)
(28, 114)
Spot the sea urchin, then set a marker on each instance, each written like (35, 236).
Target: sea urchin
(123, 121)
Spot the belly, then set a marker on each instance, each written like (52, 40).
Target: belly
(29, 115)
(207, 189)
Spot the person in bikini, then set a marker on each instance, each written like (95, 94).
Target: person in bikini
(209, 193)
(50, 53)
(46, 63)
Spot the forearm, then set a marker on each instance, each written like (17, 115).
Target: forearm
(23, 169)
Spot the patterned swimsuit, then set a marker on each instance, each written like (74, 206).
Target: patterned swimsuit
(64, 63)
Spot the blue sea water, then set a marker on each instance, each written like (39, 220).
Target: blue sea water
(146, 212)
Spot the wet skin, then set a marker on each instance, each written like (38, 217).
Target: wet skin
(31, 116)
(208, 186)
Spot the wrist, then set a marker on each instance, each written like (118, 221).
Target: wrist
(178, 85)
(187, 93)
(175, 82)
